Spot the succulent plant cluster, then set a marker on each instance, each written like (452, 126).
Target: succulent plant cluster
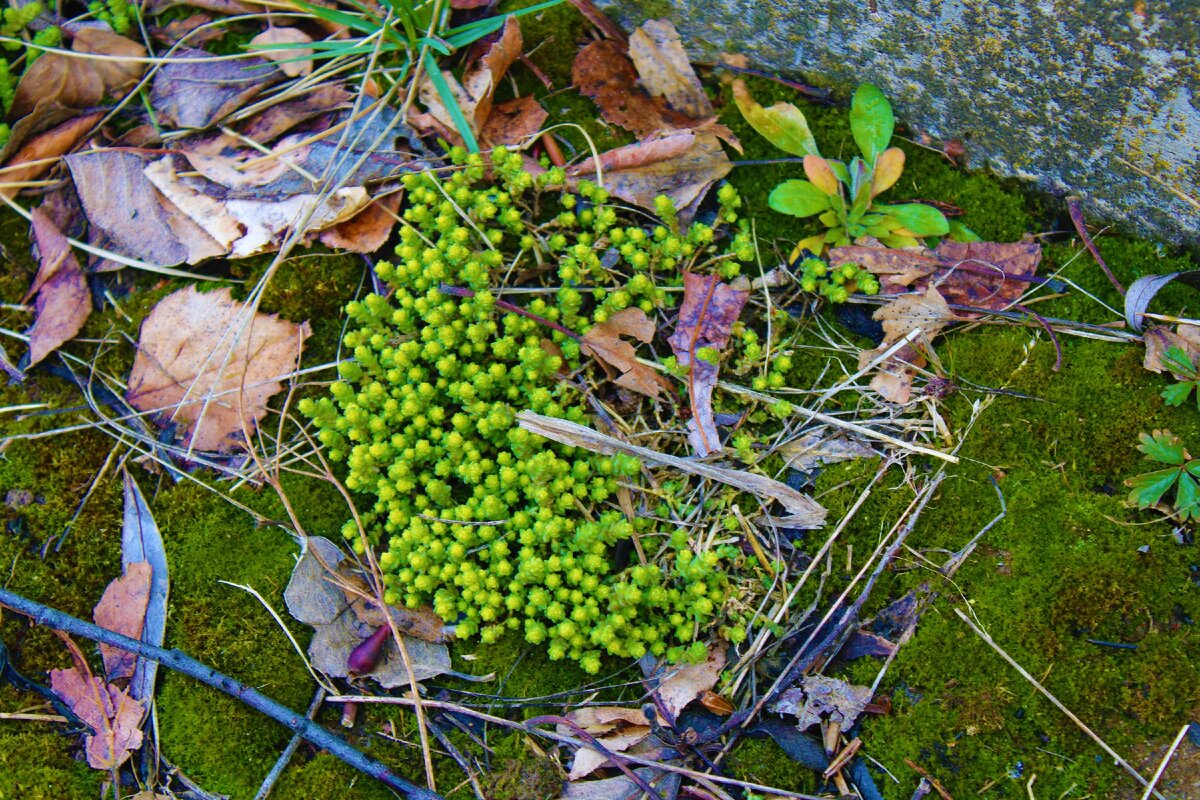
(495, 527)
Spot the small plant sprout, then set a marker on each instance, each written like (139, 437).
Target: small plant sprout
(1181, 365)
(842, 196)
(1150, 488)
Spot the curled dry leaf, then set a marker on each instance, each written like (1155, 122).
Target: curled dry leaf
(658, 55)
(605, 343)
(63, 298)
(287, 59)
(805, 512)
(709, 310)
(368, 230)
(926, 313)
(686, 682)
(277, 119)
(113, 715)
(36, 156)
(80, 83)
(314, 598)
(822, 699)
(617, 729)
(204, 362)
(1142, 291)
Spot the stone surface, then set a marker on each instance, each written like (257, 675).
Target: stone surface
(1098, 98)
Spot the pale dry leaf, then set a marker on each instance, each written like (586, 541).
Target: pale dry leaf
(805, 512)
(684, 177)
(617, 729)
(622, 787)
(141, 542)
(276, 120)
(925, 314)
(191, 90)
(658, 55)
(80, 83)
(122, 609)
(598, 720)
(686, 682)
(823, 699)
(63, 298)
(286, 58)
(192, 366)
(1159, 338)
(114, 717)
(605, 343)
(813, 449)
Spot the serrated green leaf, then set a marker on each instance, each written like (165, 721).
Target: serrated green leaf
(1187, 498)
(798, 198)
(1177, 393)
(871, 121)
(1162, 446)
(920, 219)
(1149, 487)
(783, 125)
(1178, 361)
(1193, 468)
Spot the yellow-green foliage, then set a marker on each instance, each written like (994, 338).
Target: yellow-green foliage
(493, 525)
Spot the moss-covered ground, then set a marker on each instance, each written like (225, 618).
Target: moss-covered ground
(1067, 567)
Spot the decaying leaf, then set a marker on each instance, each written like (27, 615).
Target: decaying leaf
(686, 682)
(805, 512)
(622, 787)
(204, 363)
(141, 543)
(926, 313)
(313, 597)
(193, 90)
(820, 698)
(605, 343)
(80, 83)
(782, 124)
(287, 59)
(63, 298)
(514, 121)
(122, 609)
(810, 450)
(1142, 291)
(276, 120)
(36, 156)
(602, 71)
(617, 729)
(368, 230)
(684, 178)
(114, 717)
(662, 63)
(1159, 338)
(709, 310)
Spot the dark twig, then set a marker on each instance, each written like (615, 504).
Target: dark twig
(595, 744)
(269, 782)
(1076, 212)
(185, 664)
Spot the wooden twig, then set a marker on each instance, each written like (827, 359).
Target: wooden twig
(1076, 212)
(186, 665)
(1058, 704)
(927, 778)
(281, 763)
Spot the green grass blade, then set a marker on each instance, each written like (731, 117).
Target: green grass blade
(451, 103)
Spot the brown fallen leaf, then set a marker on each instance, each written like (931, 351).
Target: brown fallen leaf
(286, 58)
(80, 83)
(121, 202)
(189, 369)
(312, 597)
(191, 90)
(1158, 338)
(114, 717)
(805, 512)
(716, 703)
(368, 230)
(475, 94)
(37, 156)
(927, 313)
(603, 72)
(605, 343)
(658, 55)
(686, 682)
(63, 298)
(812, 449)
(122, 609)
(617, 729)
(276, 120)
(897, 269)
(514, 121)
(639, 154)
(709, 310)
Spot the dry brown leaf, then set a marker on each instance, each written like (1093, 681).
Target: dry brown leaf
(805, 512)
(474, 95)
(658, 55)
(927, 313)
(684, 178)
(514, 121)
(605, 343)
(63, 298)
(979, 270)
(35, 157)
(285, 58)
(111, 713)
(276, 120)
(602, 71)
(190, 370)
(716, 703)
(122, 204)
(617, 729)
(709, 310)
(191, 90)
(122, 609)
(896, 269)
(638, 154)
(812, 449)
(821, 699)
(685, 683)
(366, 231)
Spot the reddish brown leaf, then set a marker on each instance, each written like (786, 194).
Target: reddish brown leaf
(111, 713)
(189, 369)
(277, 120)
(1158, 338)
(638, 154)
(980, 270)
(603, 72)
(605, 343)
(685, 682)
(474, 95)
(366, 231)
(595, 16)
(122, 610)
(514, 121)
(716, 704)
(896, 269)
(63, 299)
(709, 310)
(37, 155)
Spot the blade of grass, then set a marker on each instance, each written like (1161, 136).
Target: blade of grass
(448, 99)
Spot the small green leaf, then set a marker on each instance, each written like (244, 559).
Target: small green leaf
(798, 198)
(1149, 487)
(961, 233)
(920, 219)
(783, 125)
(871, 121)
(1177, 393)
(1187, 498)
(1162, 446)
(1193, 468)
(898, 241)
(1178, 361)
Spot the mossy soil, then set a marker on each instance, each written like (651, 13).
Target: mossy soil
(1067, 567)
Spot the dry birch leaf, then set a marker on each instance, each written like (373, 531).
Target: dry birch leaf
(63, 298)
(605, 343)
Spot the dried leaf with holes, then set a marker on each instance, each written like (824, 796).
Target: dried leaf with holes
(709, 310)
(822, 699)
(206, 362)
(368, 230)
(927, 313)
(605, 343)
(63, 298)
